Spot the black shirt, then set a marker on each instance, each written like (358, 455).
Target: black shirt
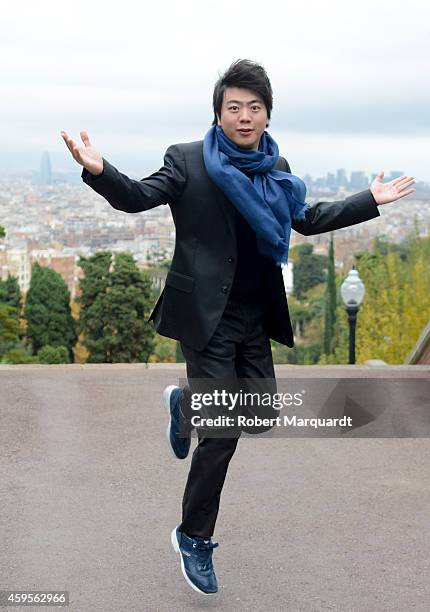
(250, 268)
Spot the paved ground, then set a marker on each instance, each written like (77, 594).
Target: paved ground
(89, 494)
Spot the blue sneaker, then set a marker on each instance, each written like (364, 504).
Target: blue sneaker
(196, 561)
(178, 445)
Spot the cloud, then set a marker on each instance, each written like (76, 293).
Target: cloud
(138, 77)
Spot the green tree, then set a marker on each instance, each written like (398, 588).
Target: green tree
(12, 348)
(330, 302)
(10, 293)
(9, 329)
(93, 286)
(307, 321)
(164, 350)
(308, 269)
(340, 339)
(114, 303)
(53, 354)
(47, 311)
(18, 354)
(396, 306)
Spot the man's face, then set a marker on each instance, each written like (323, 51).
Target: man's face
(243, 117)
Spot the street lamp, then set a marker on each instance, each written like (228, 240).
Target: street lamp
(352, 292)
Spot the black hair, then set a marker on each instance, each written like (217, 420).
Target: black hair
(247, 75)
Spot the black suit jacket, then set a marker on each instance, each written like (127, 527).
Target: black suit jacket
(203, 265)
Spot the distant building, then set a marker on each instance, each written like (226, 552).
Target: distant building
(63, 264)
(287, 273)
(395, 174)
(358, 180)
(331, 180)
(17, 261)
(341, 180)
(14, 261)
(45, 176)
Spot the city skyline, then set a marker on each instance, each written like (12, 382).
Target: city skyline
(355, 179)
(349, 81)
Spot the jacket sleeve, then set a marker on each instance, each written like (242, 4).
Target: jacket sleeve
(328, 216)
(132, 196)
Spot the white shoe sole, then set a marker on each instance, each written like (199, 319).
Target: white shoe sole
(166, 400)
(175, 544)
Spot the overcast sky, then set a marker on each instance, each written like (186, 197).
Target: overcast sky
(350, 79)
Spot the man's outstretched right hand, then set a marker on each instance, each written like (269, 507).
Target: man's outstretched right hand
(87, 155)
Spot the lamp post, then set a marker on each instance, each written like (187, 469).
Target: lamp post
(352, 292)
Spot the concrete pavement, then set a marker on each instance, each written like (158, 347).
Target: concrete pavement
(90, 494)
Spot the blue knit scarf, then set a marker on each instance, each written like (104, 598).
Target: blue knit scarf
(270, 202)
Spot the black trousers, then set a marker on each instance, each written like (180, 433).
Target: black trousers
(239, 349)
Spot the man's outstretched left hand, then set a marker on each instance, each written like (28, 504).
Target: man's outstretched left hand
(384, 193)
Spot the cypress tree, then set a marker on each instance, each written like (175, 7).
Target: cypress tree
(47, 311)
(330, 302)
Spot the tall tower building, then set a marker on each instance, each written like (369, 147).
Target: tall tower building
(358, 180)
(45, 169)
(331, 180)
(341, 180)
